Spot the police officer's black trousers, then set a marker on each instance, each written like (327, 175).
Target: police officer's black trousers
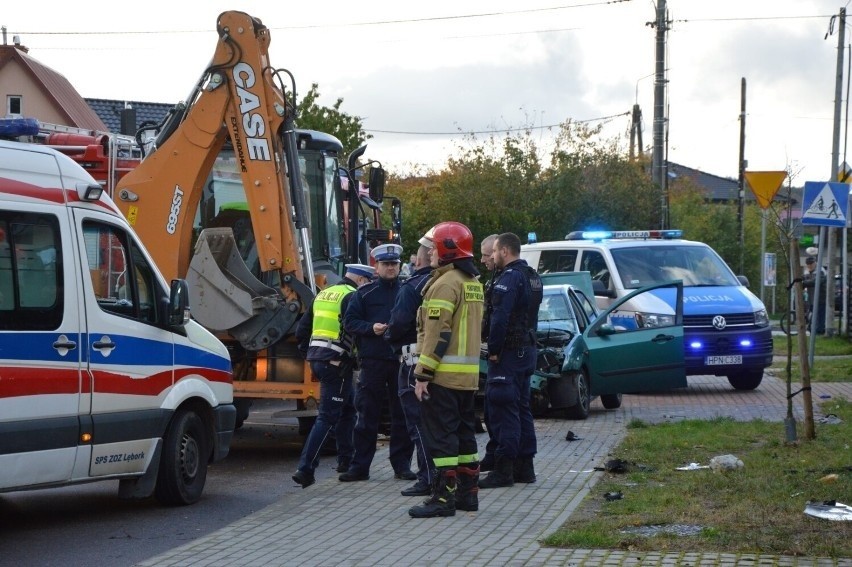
(411, 409)
(379, 382)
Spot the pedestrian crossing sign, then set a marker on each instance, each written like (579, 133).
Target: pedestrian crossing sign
(825, 204)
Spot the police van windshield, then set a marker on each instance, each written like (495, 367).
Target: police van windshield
(694, 265)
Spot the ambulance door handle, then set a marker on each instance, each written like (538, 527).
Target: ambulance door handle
(662, 338)
(104, 344)
(63, 345)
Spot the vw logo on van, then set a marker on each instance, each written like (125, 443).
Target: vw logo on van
(719, 322)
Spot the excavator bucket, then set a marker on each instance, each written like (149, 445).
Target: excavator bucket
(225, 296)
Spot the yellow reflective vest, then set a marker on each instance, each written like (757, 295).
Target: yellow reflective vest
(448, 329)
(327, 316)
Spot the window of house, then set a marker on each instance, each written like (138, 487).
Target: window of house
(14, 104)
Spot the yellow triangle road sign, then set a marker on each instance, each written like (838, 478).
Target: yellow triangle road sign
(764, 185)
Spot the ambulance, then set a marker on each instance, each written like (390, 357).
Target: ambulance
(103, 375)
(726, 327)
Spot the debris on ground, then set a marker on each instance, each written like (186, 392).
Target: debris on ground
(830, 419)
(610, 496)
(571, 436)
(692, 467)
(829, 510)
(725, 463)
(614, 466)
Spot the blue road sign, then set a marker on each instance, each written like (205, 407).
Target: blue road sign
(825, 204)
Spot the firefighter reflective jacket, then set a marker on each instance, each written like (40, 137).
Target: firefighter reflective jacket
(448, 329)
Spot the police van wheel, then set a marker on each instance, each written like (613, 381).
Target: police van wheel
(611, 401)
(581, 409)
(746, 380)
(183, 467)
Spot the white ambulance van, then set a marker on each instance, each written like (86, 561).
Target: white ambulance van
(726, 327)
(102, 374)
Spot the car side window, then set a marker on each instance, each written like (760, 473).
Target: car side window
(122, 279)
(552, 261)
(595, 263)
(30, 272)
(587, 306)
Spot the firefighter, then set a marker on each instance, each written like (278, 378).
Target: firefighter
(447, 371)
(402, 334)
(515, 298)
(366, 319)
(329, 350)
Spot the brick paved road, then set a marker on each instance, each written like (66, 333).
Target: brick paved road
(366, 523)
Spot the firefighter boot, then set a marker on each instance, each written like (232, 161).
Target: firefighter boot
(443, 500)
(501, 475)
(467, 496)
(524, 471)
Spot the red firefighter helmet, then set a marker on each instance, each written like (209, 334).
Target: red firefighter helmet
(453, 241)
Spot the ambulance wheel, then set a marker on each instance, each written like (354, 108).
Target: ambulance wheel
(611, 401)
(183, 465)
(581, 409)
(746, 380)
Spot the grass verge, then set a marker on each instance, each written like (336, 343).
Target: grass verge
(756, 509)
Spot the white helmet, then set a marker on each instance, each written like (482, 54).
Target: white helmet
(426, 239)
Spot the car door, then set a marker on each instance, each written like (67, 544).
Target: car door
(40, 346)
(130, 352)
(621, 360)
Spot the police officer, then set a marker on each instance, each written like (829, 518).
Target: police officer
(329, 351)
(515, 298)
(447, 371)
(402, 334)
(486, 251)
(366, 319)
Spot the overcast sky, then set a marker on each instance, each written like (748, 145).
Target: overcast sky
(489, 65)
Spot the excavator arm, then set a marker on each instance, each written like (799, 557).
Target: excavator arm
(236, 99)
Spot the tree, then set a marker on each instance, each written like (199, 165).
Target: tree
(345, 127)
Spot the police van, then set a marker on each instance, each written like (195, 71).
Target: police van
(726, 328)
(102, 373)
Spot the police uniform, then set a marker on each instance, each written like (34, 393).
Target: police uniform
(402, 335)
(379, 365)
(515, 297)
(328, 349)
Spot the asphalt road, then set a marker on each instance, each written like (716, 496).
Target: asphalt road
(88, 525)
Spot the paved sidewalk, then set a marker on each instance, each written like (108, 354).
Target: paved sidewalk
(367, 523)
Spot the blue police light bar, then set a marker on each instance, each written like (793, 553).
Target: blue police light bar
(598, 235)
(14, 127)
(532, 238)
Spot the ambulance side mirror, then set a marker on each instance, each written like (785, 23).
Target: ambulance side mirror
(178, 310)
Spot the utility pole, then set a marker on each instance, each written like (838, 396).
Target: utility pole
(827, 235)
(741, 179)
(657, 166)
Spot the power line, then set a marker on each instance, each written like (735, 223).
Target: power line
(747, 19)
(493, 131)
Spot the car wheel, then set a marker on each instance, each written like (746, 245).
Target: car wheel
(611, 401)
(584, 400)
(183, 466)
(746, 380)
(242, 405)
